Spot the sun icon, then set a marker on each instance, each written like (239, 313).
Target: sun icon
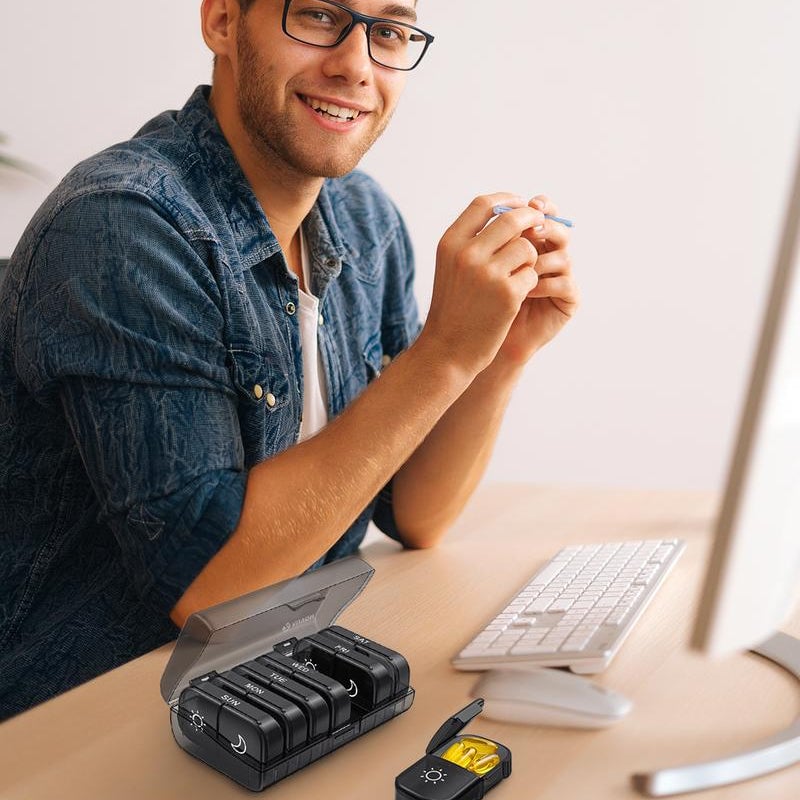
(433, 776)
(197, 721)
(310, 665)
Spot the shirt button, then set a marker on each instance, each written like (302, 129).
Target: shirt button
(290, 308)
(386, 360)
(271, 400)
(321, 320)
(331, 262)
(258, 392)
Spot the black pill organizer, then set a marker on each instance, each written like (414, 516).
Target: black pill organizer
(264, 684)
(455, 766)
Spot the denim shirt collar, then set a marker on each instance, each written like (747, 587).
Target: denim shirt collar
(255, 240)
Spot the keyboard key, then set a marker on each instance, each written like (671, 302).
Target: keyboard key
(530, 649)
(546, 575)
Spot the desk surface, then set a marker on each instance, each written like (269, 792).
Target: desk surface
(111, 737)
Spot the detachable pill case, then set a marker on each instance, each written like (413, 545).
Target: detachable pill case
(456, 766)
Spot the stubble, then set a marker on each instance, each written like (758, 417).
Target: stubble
(275, 134)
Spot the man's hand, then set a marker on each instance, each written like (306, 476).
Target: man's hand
(551, 304)
(484, 275)
(490, 312)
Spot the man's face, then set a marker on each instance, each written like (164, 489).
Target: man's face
(281, 83)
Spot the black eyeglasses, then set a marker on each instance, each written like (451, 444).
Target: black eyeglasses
(323, 23)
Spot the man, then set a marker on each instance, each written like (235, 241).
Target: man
(192, 329)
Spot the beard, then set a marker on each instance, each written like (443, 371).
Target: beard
(276, 135)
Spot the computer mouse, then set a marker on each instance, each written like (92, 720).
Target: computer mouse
(543, 696)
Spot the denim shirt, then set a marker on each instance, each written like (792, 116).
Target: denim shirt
(149, 357)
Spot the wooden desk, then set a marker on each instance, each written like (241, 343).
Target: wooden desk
(111, 737)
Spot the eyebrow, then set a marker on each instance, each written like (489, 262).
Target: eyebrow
(399, 10)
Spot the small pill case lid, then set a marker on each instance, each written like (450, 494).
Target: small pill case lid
(436, 777)
(236, 631)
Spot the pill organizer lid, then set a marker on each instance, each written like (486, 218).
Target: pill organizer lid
(238, 630)
(454, 725)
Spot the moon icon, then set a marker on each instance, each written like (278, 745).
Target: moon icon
(241, 746)
(352, 690)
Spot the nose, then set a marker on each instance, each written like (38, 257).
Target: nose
(350, 58)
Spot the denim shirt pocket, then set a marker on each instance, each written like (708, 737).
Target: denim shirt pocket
(265, 405)
(367, 262)
(373, 356)
(258, 382)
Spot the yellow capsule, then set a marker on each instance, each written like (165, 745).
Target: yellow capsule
(466, 758)
(483, 746)
(454, 752)
(483, 765)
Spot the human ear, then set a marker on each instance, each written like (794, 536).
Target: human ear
(218, 19)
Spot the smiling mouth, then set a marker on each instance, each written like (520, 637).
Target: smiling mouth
(330, 110)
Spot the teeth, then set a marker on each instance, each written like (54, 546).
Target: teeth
(332, 109)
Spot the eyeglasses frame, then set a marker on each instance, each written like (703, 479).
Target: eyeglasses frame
(368, 22)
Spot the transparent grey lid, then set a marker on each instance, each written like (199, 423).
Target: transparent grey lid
(238, 630)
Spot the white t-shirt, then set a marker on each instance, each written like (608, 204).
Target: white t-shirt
(315, 408)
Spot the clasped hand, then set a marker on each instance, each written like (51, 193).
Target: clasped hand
(503, 286)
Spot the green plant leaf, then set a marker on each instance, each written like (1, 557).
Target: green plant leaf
(10, 163)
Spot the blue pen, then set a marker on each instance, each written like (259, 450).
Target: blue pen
(568, 222)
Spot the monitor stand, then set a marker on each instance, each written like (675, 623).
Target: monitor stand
(776, 752)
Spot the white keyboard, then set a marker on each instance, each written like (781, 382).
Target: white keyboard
(576, 610)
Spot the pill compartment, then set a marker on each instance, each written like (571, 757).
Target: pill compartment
(369, 677)
(243, 702)
(455, 766)
(472, 753)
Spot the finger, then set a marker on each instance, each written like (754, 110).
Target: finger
(562, 290)
(552, 236)
(544, 203)
(524, 281)
(473, 219)
(509, 226)
(515, 254)
(558, 262)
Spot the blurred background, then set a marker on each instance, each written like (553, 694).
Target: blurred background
(667, 129)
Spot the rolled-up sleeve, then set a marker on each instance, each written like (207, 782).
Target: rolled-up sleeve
(121, 329)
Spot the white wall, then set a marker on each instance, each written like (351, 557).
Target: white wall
(666, 128)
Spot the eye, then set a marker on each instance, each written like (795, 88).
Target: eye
(317, 17)
(389, 34)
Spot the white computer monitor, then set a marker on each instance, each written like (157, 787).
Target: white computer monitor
(753, 578)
